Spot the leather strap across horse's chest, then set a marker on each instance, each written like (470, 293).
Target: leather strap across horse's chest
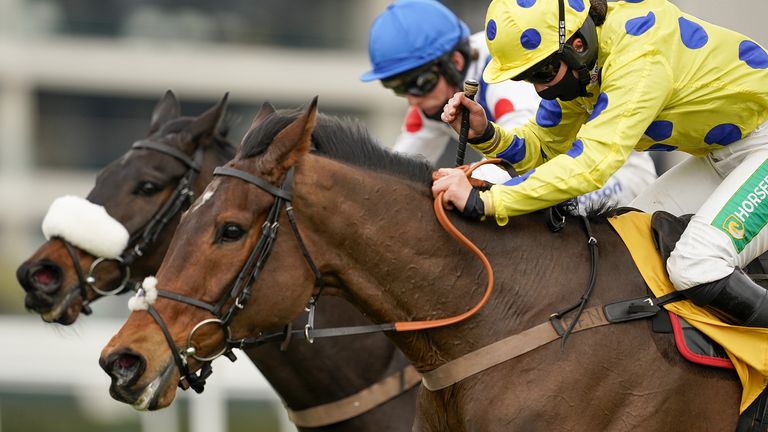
(358, 403)
(508, 348)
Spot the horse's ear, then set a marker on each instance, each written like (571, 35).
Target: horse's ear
(167, 109)
(265, 110)
(294, 141)
(208, 122)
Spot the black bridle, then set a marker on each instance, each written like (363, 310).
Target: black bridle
(143, 239)
(238, 294)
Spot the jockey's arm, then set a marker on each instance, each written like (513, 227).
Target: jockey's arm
(559, 166)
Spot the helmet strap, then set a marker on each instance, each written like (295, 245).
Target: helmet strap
(561, 25)
(582, 70)
(569, 54)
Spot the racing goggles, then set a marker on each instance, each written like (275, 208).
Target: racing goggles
(542, 72)
(416, 82)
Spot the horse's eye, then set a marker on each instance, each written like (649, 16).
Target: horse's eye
(230, 232)
(147, 188)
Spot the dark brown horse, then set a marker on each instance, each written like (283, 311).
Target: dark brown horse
(138, 191)
(365, 218)
(135, 189)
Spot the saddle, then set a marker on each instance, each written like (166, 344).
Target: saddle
(694, 345)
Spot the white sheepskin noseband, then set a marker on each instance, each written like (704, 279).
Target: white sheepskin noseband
(85, 225)
(145, 296)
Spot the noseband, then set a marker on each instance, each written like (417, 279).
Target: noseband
(143, 239)
(237, 296)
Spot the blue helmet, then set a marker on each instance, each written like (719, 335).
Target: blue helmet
(409, 34)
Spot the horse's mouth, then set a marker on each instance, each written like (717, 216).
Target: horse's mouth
(147, 398)
(63, 311)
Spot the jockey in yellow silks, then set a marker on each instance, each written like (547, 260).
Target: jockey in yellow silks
(645, 76)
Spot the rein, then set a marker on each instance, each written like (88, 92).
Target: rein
(241, 289)
(143, 239)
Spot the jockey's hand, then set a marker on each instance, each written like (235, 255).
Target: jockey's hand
(452, 115)
(454, 182)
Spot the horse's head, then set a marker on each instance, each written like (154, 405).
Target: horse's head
(96, 246)
(215, 257)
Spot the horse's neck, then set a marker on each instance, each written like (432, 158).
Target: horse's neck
(396, 263)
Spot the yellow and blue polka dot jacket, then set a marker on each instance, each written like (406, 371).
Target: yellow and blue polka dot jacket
(666, 81)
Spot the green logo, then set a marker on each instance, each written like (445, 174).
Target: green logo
(745, 214)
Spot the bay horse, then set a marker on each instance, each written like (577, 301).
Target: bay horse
(363, 218)
(139, 188)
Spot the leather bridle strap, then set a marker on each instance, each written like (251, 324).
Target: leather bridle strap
(256, 181)
(310, 333)
(188, 378)
(181, 197)
(241, 289)
(85, 307)
(170, 151)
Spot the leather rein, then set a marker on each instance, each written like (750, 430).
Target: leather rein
(240, 291)
(142, 240)
(238, 294)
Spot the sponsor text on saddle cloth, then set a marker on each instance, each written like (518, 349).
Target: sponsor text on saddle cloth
(747, 347)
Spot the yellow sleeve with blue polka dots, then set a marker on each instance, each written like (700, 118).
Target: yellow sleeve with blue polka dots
(665, 81)
(635, 90)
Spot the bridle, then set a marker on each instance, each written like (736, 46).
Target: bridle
(240, 291)
(143, 239)
(237, 296)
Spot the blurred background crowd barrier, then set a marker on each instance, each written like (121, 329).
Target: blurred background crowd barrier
(78, 80)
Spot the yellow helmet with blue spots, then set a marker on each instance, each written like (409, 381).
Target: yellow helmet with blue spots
(521, 33)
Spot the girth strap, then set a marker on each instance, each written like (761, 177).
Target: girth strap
(358, 403)
(506, 349)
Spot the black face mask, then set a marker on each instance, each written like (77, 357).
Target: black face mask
(567, 89)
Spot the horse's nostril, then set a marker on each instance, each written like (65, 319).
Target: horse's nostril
(127, 361)
(125, 368)
(45, 277)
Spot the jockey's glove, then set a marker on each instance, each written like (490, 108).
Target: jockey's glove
(474, 209)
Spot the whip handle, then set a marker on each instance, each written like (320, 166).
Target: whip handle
(470, 89)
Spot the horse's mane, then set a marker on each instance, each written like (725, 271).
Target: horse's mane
(597, 212)
(343, 139)
(224, 148)
(349, 141)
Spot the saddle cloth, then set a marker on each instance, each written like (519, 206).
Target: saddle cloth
(695, 346)
(747, 347)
